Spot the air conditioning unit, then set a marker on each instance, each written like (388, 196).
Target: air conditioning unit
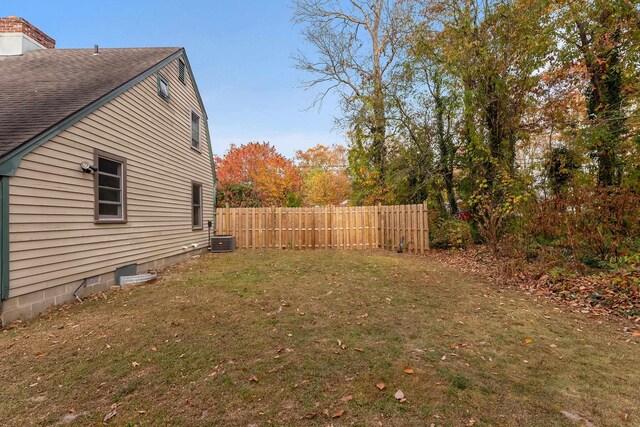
(223, 243)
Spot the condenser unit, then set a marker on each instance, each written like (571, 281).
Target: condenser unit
(223, 243)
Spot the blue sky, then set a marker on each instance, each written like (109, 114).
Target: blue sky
(240, 52)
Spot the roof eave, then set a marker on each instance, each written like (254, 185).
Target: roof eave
(10, 162)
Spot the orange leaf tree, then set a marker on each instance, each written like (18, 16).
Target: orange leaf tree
(255, 174)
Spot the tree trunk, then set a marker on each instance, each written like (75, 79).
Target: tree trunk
(604, 104)
(492, 120)
(379, 126)
(446, 149)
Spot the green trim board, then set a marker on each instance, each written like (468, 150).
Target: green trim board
(10, 162)
(208, 136)
(4, 237)
(204, 117)
(193, 82)
(214, 177)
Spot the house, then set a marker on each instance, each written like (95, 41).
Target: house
(105, 167)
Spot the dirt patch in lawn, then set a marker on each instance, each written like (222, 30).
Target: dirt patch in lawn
(312, 338)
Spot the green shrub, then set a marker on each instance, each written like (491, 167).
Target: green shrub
(451, 233)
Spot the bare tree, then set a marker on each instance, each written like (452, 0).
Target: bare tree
(358, 44)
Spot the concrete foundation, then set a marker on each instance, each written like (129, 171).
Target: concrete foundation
(26, 306)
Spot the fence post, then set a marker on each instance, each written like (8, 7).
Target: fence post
(378, 226)
(334, 228)
(274, 219)
(415, 221)
(426, 222)
(227, 220)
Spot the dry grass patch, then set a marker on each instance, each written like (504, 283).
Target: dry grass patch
(285, 338)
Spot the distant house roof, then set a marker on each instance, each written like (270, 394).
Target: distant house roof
(41, 88)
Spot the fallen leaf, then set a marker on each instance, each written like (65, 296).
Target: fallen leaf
(326, 411)
(135, 364)
(109, 416)
(443, 358)
(113, 413)
(471, 422)
(635, 334)
(358, 349)
(399, 395)
(346, 398)
(254, 379)
(338, 413)
(380, 386)
(154, 348)
(309, 416)
(408, 370)
(528, 341)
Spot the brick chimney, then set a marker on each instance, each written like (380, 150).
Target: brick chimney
(18, 36)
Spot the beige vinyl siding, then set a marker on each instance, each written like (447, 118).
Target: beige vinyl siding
(53, 237)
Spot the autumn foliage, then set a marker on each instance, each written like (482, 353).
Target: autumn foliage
(255, 174)
(324, 175)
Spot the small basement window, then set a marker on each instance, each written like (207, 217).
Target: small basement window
(163, 87)
(196, 205)
(195, 130)
(110, 188)
(181, 71)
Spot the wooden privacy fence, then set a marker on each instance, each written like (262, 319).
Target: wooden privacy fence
(327, 227)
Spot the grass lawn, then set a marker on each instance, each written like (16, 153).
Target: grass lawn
(284, 338)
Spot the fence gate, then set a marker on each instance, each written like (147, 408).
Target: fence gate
(327, 227)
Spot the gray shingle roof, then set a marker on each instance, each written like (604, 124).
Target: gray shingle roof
(41, 88)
